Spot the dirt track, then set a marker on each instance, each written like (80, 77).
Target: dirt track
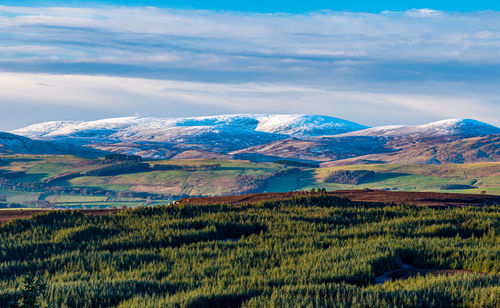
(407, 270)
(415, 198)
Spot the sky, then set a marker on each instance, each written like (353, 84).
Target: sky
(279, 6)
(375, 64)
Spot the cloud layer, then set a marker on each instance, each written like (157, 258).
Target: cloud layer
(382, 68)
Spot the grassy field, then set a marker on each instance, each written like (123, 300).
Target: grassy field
(43, 166)
(19, 196)
(230, 177)
(62, 198)
(418, 177)
(178, 182)
(486, 177)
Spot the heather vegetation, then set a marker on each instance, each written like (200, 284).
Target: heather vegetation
(308, 251)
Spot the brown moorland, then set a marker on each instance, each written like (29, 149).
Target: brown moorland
(365, 195)
(7, 215)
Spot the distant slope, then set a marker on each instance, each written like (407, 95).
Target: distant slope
(319, 149)
(468, 150)
(178, 129)
(305, 125)
(265, 137)
(13, 144)
(462, 128)
(447, 141)
(167, 137)
(188, 177)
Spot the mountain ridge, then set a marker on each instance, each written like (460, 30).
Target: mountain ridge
(285, 124)
(268, 136)
(15, 144)
(447, 127)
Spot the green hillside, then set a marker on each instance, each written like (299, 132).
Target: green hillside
(32, 180)
(314, 251)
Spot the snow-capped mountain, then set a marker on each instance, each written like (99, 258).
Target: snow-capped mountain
(167, 137)
(305, 125)
(186, 129)
(436, 142)
(259, 136)
(445, 128)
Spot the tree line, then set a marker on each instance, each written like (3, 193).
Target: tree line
(308, 251)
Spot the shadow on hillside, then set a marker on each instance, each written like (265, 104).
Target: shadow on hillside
(378, 177)
(291, 182)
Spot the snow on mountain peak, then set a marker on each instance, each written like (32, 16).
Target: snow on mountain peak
(165, 137)
(44, 128)
(443, 128)
(301, 124)
(458, 127)
(142, 128)
(227, 133)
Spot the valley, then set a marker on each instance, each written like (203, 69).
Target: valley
(60, 181)
(146, 161)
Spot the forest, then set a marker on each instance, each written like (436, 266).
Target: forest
(307, 251)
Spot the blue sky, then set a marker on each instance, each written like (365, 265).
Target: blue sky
(372, 65)
(263, 6)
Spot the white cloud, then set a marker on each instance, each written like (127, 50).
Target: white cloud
(382, 36)
(170, 98)
(373, 68)
(424, 13)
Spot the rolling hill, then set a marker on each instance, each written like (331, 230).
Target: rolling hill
(447, 141)
(284, 136)
(14, 144)
(468, 150)
(456, 128)
(168, 137)
(191, 129)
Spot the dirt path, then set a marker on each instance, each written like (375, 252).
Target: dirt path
(408, 270)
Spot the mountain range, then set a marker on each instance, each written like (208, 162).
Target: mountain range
(265, 137)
